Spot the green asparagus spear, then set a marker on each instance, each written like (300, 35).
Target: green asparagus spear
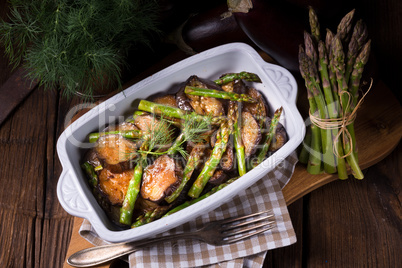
(345, 25)
(193, 201)
(126, 211)
(129, 134)
(150, 216)
(314, 24)
(310, 75)
(310, 49)
(205, 92)
(314, 165)
(358, 68)
(358, 38)
(89, 170)
(314, 162)
(328, 39)
(208, 170)
(338, 63)
(332, 107)
(304, 147)
(325, 80)
(239, 147)
(174, 112)
(235, 119)
(270, 135)
(251, 77)
(192, 162)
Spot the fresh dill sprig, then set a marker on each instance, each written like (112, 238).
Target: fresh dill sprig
(193, 127)
(191, 130)
(77, 45)
(158, 136)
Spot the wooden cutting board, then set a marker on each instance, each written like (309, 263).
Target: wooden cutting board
(378, 131)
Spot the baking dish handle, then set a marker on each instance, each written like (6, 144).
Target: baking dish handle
(284, 80)
(70, 197)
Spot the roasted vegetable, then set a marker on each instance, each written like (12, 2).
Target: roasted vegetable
(114, 185)
(194, 159)
(267, 143)
(161, 178)
(133, 188)
(169, 100)
(210, 93)
(234, 115)
(259, 108)
(199, 104)
(150, 215)
(149, 123)
(250, 133)
(169, 111)
(227, 160)
(218, 178)
(193, 201)
(116, 152)
(212, 162)
(226, 78)
(280, 138)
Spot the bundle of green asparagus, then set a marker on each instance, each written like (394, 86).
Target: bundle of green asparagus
(332, 69)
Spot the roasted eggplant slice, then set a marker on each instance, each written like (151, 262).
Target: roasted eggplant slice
(219, 177)
(201, 105)
(115, 151)
(228, 87)
(114, 185)
(121, 127)
(182, 101)
(258, 109)
(92, 158)
(227, 160)
(169, 100)
(250, 133)
(151, 125)
(280, 138)
(161, 178)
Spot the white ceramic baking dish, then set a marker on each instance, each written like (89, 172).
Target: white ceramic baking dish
(278, 86)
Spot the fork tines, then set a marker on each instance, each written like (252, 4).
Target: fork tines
(236, 228)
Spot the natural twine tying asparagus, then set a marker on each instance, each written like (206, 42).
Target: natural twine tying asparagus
(341, 123)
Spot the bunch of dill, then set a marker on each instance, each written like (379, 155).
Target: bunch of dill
(76, 44)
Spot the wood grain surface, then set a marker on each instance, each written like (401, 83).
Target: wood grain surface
(339, 224)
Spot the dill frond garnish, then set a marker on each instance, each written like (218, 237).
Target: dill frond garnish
(160, 136)
(76, 45)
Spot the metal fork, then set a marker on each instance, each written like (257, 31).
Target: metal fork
(219, 232)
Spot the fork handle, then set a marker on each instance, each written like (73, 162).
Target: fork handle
(101, 254)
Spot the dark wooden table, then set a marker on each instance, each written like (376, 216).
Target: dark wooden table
(342, 224)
